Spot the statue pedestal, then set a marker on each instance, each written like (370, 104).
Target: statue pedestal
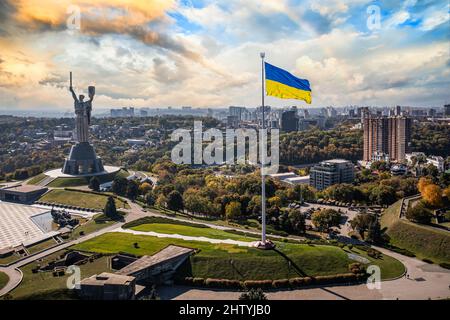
(82, 160)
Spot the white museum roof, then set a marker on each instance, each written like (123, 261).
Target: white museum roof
(17, 227)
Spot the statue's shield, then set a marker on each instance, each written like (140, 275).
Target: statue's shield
(91, 90)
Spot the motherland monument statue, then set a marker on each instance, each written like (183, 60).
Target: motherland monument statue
(82, 159)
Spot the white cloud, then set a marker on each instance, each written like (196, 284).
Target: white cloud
(344, 66)
(396, 19)
(435, 19)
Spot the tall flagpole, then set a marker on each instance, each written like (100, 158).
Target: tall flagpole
(263, 157)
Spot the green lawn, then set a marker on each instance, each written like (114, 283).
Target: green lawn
(44, 283)
(80, 199)
(173, 228)
(8, 259)
(82, 181)
(35, 180)
(90, 227)
(234, 262)
(3, 279)
(41, 246)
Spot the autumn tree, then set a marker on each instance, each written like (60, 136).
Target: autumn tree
(199, 204)
(423, 182)
(145, 187)
(432, 194)
(362, 222)
(297, 222)
(446, 193)
(325, 219)
(161, 201)
(233, 210)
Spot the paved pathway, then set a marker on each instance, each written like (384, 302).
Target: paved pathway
(45, 181)
(15, 277)
(136, 210)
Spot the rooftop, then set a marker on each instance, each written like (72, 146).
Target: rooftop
(25, 188)
(336, 161)
(145, 262)
(107, 278)
(282, 175)
(17, 227)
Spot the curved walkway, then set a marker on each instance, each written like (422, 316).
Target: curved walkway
(15, 278)
(182, 237)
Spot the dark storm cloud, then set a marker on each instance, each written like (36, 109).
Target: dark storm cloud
(6, 11)
(54, 80)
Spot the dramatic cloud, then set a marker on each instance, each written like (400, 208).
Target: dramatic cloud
(168, 52)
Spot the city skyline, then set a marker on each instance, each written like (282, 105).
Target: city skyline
(205, 54)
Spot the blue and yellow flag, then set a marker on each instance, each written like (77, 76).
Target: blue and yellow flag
(282, 84)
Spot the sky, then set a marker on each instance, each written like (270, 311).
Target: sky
(202, 53)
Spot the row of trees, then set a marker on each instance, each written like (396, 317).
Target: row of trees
(381, 191)
(316, 145)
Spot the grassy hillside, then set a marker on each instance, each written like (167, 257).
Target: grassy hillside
(3, 279)
(81, 199)
(81, 181)
(424, 241)
(227, 261)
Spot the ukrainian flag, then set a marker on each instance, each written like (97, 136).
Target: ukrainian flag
(282, 84)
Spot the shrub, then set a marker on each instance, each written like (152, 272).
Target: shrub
(356, 268)
(282, 283)
(427, 261)
(263, 284)
(350, 246)
(186, 280)
(253, 294)
(198, 281)
(300, 282)
(373, 253)
(338, 278)
(402, 251)
(223, 283)
(445, 265)
(296, 282)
